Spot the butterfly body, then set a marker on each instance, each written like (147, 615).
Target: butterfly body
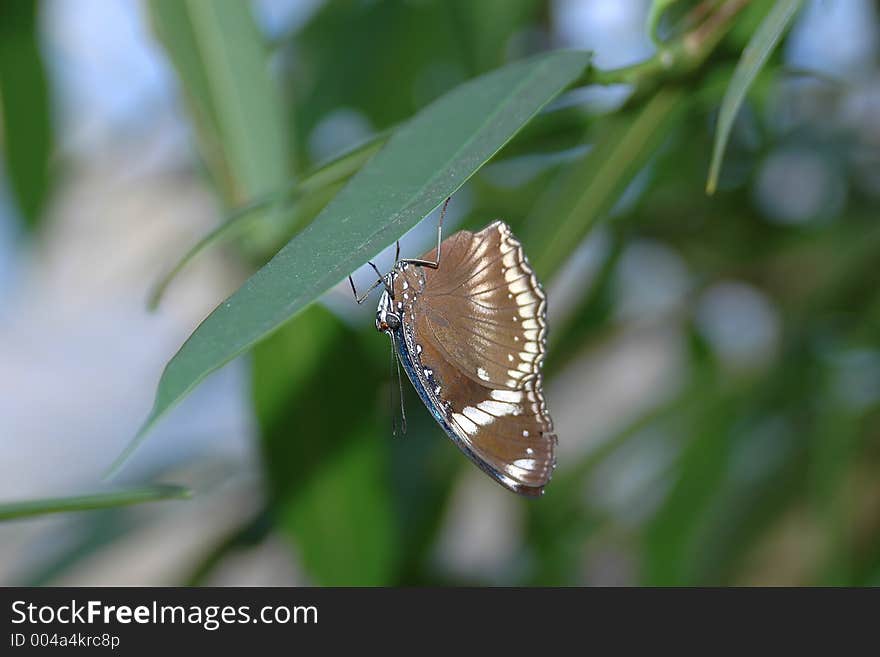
(471, 336)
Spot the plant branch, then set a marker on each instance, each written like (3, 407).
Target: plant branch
(677, 59)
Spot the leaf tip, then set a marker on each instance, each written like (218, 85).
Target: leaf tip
(153, 300)
(114, 468)
(174, 491)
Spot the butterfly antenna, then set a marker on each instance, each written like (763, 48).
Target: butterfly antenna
(391, 390)
(400, 396)
(395, 365)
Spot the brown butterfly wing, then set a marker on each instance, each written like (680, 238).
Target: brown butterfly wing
(477, 325)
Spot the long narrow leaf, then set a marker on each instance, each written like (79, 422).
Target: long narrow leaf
(30, 508)
(592, 186)
(222, 62)
(755, 55)
(24, 109)
(655, 13)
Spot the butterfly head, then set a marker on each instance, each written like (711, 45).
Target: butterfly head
(387, 318)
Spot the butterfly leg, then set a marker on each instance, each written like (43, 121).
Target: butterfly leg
(379, 282)
(428, 263)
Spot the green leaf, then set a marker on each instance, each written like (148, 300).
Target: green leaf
(24, 109)
(326, 461)
(754, 56)
(483, 30)
(590, 188)
(223, 66)
(337, 170)
(125, 497)
(834, 452)
(425, 161)
(671, 554)
(302, 423)
(658, 8)
(342, 520)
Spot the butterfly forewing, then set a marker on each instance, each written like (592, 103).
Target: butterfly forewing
(475, 332)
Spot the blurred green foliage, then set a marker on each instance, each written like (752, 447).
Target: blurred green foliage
(26, 131)
(230, 92)
(770, 472)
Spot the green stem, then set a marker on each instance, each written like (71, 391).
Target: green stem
(674, 60)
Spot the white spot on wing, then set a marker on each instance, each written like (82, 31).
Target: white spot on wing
(518, 286)
(497, 408)
(466, 425)
(481, 289)
(483, 374)
(506, 395)
(477, 416)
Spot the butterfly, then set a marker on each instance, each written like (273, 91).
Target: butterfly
(470, 331)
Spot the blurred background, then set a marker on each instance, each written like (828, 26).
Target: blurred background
(714, 365)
